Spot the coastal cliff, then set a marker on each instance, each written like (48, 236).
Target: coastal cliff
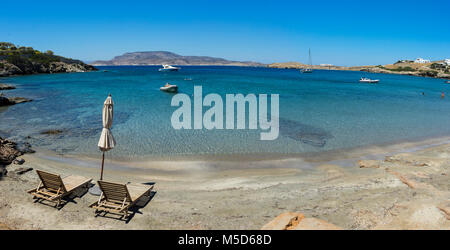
(26, 60)
(437, 69)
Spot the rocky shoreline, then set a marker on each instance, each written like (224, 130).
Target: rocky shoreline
(8, 69)
(10, 152)
(433, 70)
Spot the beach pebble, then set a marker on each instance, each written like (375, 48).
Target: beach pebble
(19, 161)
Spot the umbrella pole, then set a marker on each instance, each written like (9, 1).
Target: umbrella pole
(103, 162)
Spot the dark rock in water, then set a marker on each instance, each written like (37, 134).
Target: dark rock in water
(25, 148)
(6, 86)
(52, 132)
(308, 134)
(17, 100)
(6, 101)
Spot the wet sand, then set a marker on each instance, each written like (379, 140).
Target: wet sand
(404, 186)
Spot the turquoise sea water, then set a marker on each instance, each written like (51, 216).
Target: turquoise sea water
(325, 110)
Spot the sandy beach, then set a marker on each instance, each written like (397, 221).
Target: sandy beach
(241, 116)
(404, 186)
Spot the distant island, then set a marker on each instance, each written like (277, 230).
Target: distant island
(165, 57)
(16, 60)
(436, 69)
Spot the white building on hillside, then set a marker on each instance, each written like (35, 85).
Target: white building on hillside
(447, 61)
(421, 60)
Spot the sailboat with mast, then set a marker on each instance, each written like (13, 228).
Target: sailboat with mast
(308, 70)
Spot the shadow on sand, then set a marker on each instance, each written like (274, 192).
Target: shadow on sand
(141, 203)
(79, 193)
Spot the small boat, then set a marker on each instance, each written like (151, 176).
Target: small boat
(447, 81)
(368, 80)
(188, 79)
(167, 67)
(307, 70)
(169, 88)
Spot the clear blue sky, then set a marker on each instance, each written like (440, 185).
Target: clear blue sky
(339, 32)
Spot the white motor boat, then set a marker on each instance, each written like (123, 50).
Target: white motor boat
(167, 67)
(169, 88)
(368, 80)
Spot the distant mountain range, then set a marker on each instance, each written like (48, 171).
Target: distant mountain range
(165, 57)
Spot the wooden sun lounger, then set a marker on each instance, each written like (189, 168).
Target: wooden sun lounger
(52, 188)
(119, 198)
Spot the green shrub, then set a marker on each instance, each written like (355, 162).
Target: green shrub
(43, 58)
(400, 69)
(6, 46)
(430, 73)
(21, 62)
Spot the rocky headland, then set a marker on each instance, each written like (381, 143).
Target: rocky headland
(26, 60)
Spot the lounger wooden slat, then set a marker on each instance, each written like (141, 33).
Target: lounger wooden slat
(119, 198)
(52, 188)
(72, 182)
(136, 191)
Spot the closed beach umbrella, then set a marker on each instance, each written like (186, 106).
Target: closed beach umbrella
(106, 141)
